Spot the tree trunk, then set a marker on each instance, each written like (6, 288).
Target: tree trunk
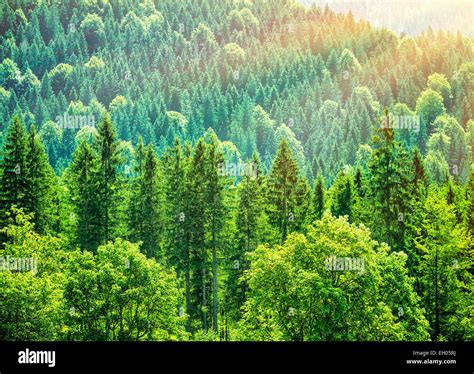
(214, 282)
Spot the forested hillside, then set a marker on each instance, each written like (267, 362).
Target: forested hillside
(232, 170)
(410, 17)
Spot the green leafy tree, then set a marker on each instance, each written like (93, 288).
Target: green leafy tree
(297, 293)
(93, 28)
(119, 294)
(445, 276)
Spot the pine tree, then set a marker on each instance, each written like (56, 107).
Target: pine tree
(83, 187)
(217, 210)
(319, 198)
(282, 182)
(41, 180)
(413, 221)
(470, 202)
(178, 233)
(136, 205)
(342, 195)
(358, 183)
(251, 222)
(146, 202)
(389, 179)
(109, 179)
(196, 218)
(14, 184)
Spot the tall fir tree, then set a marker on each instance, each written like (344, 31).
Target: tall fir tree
(178, 233)
(41, 182)
(389, 185)
(282, 180)
(196, 219)
(14, 183)
(82, 174)
(343, 195)
(319, 198)
(251, 224)
(216, 213)
(146, 202)
(109, 179)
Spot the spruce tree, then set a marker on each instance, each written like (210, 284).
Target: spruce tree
(108, 178)
(41, 180)
(216, 214)
(82, 175)
(251, 222)
(146, 202)
(389, 186)
(282, 181)
(319, 198)
(14, 184)
(342, 195)
(196, 218)
(178, 234)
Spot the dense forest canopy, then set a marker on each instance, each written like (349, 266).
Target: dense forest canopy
(233, 170)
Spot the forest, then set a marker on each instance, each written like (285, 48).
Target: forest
(232, 170)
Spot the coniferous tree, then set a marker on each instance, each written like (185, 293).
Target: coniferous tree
(199, 255)
(108, 179)
(413, 221)
(178, 236)
(319, 198)
(83, 188)
(282, 180)
(146, 202)
(217, 210)
(389, 179)
(342, 195)
(14, 184)
(41, 181)
(251, 224)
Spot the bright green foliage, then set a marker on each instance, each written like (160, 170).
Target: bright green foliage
(446, 280)
(117, 294)
(429, 105)
(93, 29)
(295, 296)
(31, 299)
